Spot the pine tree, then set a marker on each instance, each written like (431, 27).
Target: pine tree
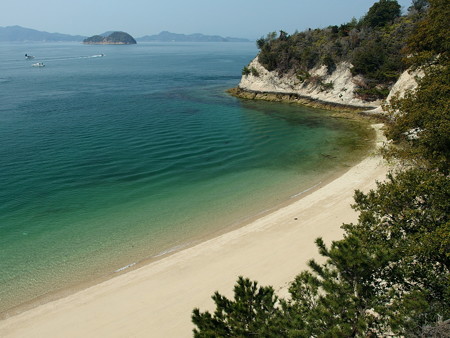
(252, 312)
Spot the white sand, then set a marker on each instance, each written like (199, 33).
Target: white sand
(157, 300)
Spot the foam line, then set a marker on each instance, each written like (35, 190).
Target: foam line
(125, 267)
(302, 192)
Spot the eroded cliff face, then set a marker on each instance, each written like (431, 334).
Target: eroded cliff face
(335, 89)
(406, 82)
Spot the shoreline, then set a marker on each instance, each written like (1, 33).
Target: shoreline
(117, 267)
(296, 98)
(159, 297)
(55, 295)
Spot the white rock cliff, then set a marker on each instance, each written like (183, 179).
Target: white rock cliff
(335, 88)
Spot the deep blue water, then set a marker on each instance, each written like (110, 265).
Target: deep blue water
(107, 161)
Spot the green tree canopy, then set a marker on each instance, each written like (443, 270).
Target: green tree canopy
(250, 313)
(382, 13)
(430, 42)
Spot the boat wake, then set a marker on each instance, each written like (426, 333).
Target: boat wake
(68, 58)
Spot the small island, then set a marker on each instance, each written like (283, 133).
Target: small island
(115, 38)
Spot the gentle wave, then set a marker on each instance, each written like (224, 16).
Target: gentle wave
(306, 190)
(125, 267)
(171, 250)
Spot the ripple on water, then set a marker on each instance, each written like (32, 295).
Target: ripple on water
(128, 162)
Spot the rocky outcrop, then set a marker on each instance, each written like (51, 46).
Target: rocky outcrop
(317, 88)
(406, 82)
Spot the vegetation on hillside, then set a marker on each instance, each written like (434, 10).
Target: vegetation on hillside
(389, 276)
(113, 38)
(420, 125)
(94, 39)
(372, 45)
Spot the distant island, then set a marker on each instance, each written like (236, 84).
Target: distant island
(115, 38)
(22, 34)
(174, 37)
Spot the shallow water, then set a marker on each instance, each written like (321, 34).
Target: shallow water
(107, 161)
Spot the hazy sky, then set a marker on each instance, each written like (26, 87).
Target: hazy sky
(235, 18)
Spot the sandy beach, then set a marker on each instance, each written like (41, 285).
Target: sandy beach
(156, 300)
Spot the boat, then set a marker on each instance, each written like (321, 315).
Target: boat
(29, 57)
(38, 64)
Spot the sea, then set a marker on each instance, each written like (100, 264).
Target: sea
(115, 156)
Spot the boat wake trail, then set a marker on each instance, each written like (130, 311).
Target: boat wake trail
(51, 59)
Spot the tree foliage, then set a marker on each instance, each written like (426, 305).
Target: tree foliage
(430, 41)
(420, 125)
(408, 218)
(382, 13)
(418, 6)
(250, 313)
(420, 122)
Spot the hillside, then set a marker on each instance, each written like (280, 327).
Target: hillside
(22, 34)
(115, 38)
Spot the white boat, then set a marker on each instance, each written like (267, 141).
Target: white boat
(38, 64)
(29, 57)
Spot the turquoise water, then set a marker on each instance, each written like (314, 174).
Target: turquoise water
(108, 161)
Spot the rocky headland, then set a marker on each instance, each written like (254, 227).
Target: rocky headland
(335, 90)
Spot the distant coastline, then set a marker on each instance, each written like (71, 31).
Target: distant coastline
(22, 34)
(174, 37)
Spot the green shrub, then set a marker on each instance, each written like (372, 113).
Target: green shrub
(372, 94)
(326, 86)
(254, 71)
(245, 71)
(303, 76)
(328, 61)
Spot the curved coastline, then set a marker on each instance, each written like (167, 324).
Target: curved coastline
(159, 297)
